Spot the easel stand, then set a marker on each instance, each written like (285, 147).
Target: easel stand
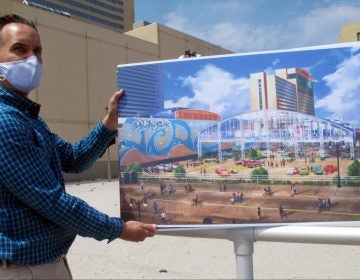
(244, 237)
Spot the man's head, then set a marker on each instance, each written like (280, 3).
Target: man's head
(19, 40)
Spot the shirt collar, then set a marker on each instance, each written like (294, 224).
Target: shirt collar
(22, 103)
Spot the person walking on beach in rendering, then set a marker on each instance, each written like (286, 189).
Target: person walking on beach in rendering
(163, 217)
(282, 212)
(259, 213)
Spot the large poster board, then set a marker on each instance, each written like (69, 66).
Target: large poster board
(266, 137)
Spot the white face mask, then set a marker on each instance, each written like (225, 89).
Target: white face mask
(24, 75)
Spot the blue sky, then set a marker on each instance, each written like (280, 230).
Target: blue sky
(254, 25)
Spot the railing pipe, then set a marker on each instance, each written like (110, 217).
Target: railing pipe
(341, 233)
(310, 234)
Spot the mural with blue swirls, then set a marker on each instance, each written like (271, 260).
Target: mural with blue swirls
(153, 137)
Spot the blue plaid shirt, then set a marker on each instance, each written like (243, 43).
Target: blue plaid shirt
(38, 219)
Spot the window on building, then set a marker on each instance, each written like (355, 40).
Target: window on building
(358, 36)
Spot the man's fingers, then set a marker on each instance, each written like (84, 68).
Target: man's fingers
(150, 229)
(137, 231)
(117, 95)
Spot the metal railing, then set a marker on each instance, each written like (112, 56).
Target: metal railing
(244, 237)
(318, 180)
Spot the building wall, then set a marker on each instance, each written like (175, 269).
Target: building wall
(262, 91)
(145, 31)
(80, 62)
(350, 32)
(285, 95)
(304, 89)
(118, 15)
(193, 114)
(282, 91)
(144, 88)
(270, 89)
(257, 92)
(173, 43)
(129, 14)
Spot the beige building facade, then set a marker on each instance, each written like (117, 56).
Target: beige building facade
(80, 62)
(350, 32)
(116, 14)
(289, 89)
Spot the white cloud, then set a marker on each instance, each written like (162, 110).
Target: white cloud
(215, 90)
(320, 25)
(270, 70)
(344, 85)
(176, 20)
(243, 37)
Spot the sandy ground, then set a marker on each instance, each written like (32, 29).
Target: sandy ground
(169, 257)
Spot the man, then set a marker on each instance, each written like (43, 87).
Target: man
(38, 219)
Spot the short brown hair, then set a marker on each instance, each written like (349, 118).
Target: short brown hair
(4, 20)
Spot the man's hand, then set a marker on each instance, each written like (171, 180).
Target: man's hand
(137, 231)
(110, 121)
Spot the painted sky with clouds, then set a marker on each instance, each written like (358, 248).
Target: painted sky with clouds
(221, 84)
(254, 25)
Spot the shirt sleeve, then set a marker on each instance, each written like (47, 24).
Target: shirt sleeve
(26, 173)
(81, 155)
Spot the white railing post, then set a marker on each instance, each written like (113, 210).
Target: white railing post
(244, 249)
